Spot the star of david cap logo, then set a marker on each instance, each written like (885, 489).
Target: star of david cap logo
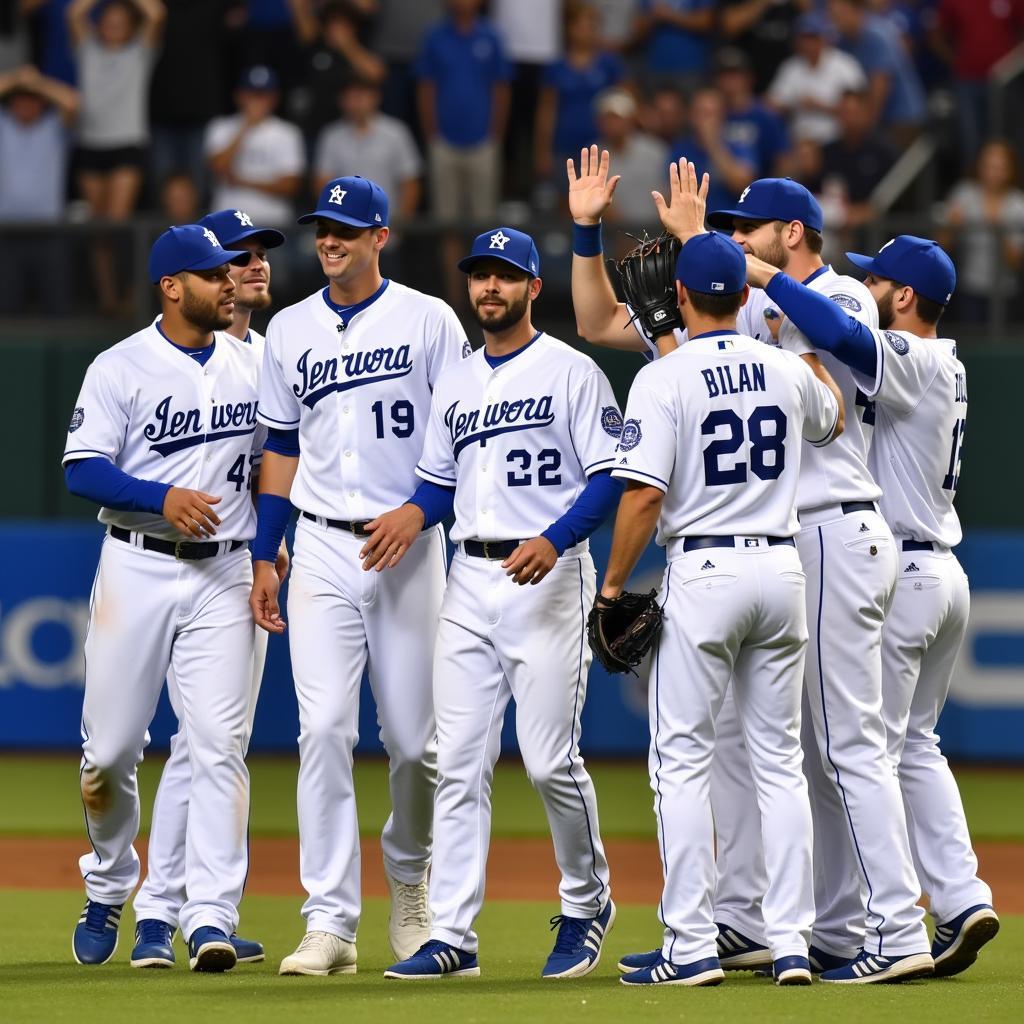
(337, 195)
(507, 245)
(188, 247)
(499, 240)
(351, 200)
(232, 226)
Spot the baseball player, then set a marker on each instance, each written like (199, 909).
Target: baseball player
(711, 455)
(345, 391)
(521, 437)
(159, 900)
(162, 438)
(919, 390)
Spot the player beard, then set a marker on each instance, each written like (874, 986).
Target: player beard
(204, 314)
(886, 316)
(774, 252)
(252, 302)
(496, 323)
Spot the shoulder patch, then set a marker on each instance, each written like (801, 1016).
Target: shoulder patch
(611, 421)
(630, 436)
(846, 301)
(77, 419)
(467, 349)
(897, 342)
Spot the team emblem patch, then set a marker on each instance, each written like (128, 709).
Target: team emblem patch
(77, 419)
(630, 436)
(611, 421)
(467, 349)
(897, 343)
(847, 302)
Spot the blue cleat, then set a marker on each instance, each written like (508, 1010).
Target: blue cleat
(700, 972)
(95, 937)
(738, 952)
(821, 960)
(247, 951)
(638, 961)
(210, 950)
(957, 942)
(578, 945)
(435, 960)
(153, 944)
(869, 968)
(792, 970)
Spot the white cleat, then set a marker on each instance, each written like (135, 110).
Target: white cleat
(409, 921)
(321, 953)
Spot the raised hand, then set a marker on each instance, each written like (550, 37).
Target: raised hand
(683, 214)
(590, 193)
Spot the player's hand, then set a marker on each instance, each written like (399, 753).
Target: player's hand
(590, 194)
(531, 561)
(263, 599)
(190, 512)
(391, 535)
(759, 273)
(683, 214)
(282, 563)
(773, 321)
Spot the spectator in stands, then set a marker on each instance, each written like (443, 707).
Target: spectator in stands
(371, 144)
(678, 35)
(763, 29)
(749, 124)
(115, 55)
(853, 165)
(641, 159)
(399, 27)
(50, 18)
(732, 165)
(810, 83)
(463, 98)
(256, 158)
(895, 97)
(36, 113)
(986, 214)
(664, 115)
(566, 120)
(333, 54)
(179, 199)
(617, 20)
(972, 37)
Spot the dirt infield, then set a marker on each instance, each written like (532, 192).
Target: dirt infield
(518, 869)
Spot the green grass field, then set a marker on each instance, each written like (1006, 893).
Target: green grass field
(39, 982)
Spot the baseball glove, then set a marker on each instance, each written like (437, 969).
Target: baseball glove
(622, 630)
(648, 273)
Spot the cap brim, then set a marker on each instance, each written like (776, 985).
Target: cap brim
(724, 218)
(864, 262)
(271, 237)
(308, 218)
(467, 263)
(217, 259)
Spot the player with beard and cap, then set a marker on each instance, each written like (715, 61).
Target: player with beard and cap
(521, 440)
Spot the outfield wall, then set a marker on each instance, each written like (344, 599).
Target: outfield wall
(44, 595)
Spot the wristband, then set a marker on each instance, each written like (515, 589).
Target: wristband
(586, 239)
(272, 515)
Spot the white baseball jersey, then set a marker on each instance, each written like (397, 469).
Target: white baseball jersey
(518, 441)
(157, 414)
(748, 403)
(920, 388)
(358, 391)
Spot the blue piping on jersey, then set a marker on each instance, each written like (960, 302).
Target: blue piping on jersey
(345, 313)
(713, 334)
(198, 355)
(817, 273)
(495, 361)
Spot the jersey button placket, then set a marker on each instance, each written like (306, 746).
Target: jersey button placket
(348, 429)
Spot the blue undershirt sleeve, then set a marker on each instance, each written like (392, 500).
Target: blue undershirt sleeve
(596, 502)
(99, 480)
(272, 515)
(283, 442)
(436, 501)
(825, 324)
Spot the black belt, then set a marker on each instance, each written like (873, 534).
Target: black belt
(918, 545)
(857, 506)
(490, 548)
(358, 529)
(188, 550)
(696, 543)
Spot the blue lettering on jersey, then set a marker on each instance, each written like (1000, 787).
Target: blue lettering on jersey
(319, 378)
(499, 418)
(720, 380)
(611, 421)
(847, 302)
(184, 429)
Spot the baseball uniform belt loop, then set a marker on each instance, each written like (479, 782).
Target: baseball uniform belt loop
(918, 545)
(184, 550)
(490, 549)
(696, 543)
(358, 529)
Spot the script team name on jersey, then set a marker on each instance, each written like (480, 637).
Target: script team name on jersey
(502, 417)
(173, 430)
(319, 377)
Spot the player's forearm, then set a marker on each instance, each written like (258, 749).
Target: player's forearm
(826, 378)
(595, 504)
(635, 522)
(434, 501)
(600, 317)
(277, 472)
(273, 507)
(100, 481)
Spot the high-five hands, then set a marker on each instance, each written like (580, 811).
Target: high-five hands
(683, 214)
(590, 194)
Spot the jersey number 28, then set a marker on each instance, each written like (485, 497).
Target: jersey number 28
(766, 428)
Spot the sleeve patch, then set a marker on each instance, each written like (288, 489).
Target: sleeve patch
(630, 436)
(846, 301)
(77, 419)
(467, 349)
(897, 342)
(611, 421)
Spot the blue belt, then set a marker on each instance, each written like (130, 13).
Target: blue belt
(696, 543)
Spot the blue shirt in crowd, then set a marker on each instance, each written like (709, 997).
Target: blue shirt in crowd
(878, 49)
(719, 195)
(671, 49)
(759, 129)
(575, 91)
(464, 69)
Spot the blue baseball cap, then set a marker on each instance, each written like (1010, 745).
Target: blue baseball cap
(772, 199)
(813, 23)
(353, 200)
(507, 245)
(918, 262)
(712, 263)
(188, 247)
(259, 78)
(233, 226)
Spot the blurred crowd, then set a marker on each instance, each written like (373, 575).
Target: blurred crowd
(467, 109)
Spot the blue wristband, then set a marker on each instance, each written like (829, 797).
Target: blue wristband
(586, 239)
(272, 515)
